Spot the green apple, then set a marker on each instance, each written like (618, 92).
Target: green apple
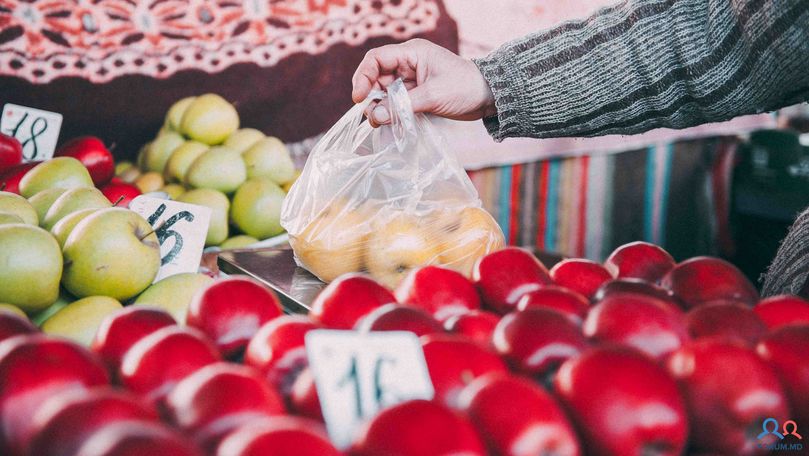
(173, 190)
(80, 320)
(158, 153)
(269, 158)
(7, 218)
(74, 200)
(181, 159)
(151, 181)
(42, 316)
(238, 242)
(43, 200)
(209, 119)
(219, 204)
(123, 166)
(140, 162)
(241, 139)
(219, 168)
(175, 113)
(62, 229)
(19, 206)
(59, 172)
(13, 309)
(113, 252)
(256, 208)
(174, 293)
(30, 267)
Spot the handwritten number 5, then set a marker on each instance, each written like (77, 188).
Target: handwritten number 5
(164, 231)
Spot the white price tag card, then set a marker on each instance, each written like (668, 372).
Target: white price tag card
(181, 229)
(37, 130)
(358, 374)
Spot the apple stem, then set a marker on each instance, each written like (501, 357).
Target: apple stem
(153, 230)
(112, 147)
(120, 198)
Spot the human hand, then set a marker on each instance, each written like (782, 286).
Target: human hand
(438, 81)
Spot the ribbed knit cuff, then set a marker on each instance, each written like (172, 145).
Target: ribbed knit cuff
(508, 84)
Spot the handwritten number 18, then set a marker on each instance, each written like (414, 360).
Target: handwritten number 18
(37, 127)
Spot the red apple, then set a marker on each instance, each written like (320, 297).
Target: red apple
(418, 428)
(652, 326)
(93, 154)
(636, 287)
(580, 275)
(536, 341)
(278, 436)
(623, 403)
(729, 392)
(777, 311)
(440, 291)
(477, 325)
(10, 152)
(705, 279)
(231, 310)
(454, 361)
(639, 260)
(393, 317)
(304, 399)
(119, 331)
(10, 178)
(115, 191)
(160, 360)
(66, 420)
(504, 276)
(278, 351)
(217, 399)
(561, 299)
(727, 319)
(785, 350)
(12, 325)
(347, 299)
(34, 368)
(137, 438)
(518, 418)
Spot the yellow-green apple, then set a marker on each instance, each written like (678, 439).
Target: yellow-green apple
(43, 200)
(130, 174)
(123, 166)
(239, 241)
(181, 160)
(12, 203)
(288, 186)
(241, 139)
(121, 330)
(149, 182)
(59, 172)
(175, 113)
(113, 252)
(466, 237)
(174, 293)
(31, 266)
(209, 119)
(158, 153)
(9, 219)
(74, 200)
(398, 245)
(256, 208)
(39, 318)
(220, 206)
(269, 158)
(79, 320)
(173, 190)
(218, 168)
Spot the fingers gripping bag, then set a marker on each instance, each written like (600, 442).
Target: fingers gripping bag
(386, 200)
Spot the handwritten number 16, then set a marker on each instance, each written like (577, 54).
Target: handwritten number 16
(164, 231)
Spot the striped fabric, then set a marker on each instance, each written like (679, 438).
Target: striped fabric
(675, 195)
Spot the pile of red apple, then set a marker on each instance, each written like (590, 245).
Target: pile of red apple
(638, 356)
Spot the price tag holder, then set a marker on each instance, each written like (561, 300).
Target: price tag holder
(37, 130)
(358, 374)
(181, 229)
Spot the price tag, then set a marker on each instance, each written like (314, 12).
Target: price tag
(358, 374)
(37, 130)
(181, 229)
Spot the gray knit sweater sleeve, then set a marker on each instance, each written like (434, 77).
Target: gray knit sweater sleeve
(643, 64)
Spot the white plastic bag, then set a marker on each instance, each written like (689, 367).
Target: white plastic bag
(385, 200)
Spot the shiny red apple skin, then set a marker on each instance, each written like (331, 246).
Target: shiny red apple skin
(347, 299)
(393, 317)
(477, 325)
(729, 392)
(561, 299)
(727, 319)
(504, 276)
(516, 417)
(418, 428)
(10, 178)
(157, 362)
(10, 152)
(440, 291)
(137, 438)
(93, 154)
(785, 349)
(622, 403)
(231, 310)
(777, 311)
(647, 324)
(66, 420)
(12, 325)
(34, 368)
(278, 350)
(303, 399)
(635, 287)
(454, 361)
(536, 341)
(701, 280)
(122, 191)
(639, 260)
(278, 436)
(217, 399)
(580, 275)
(119, 331)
